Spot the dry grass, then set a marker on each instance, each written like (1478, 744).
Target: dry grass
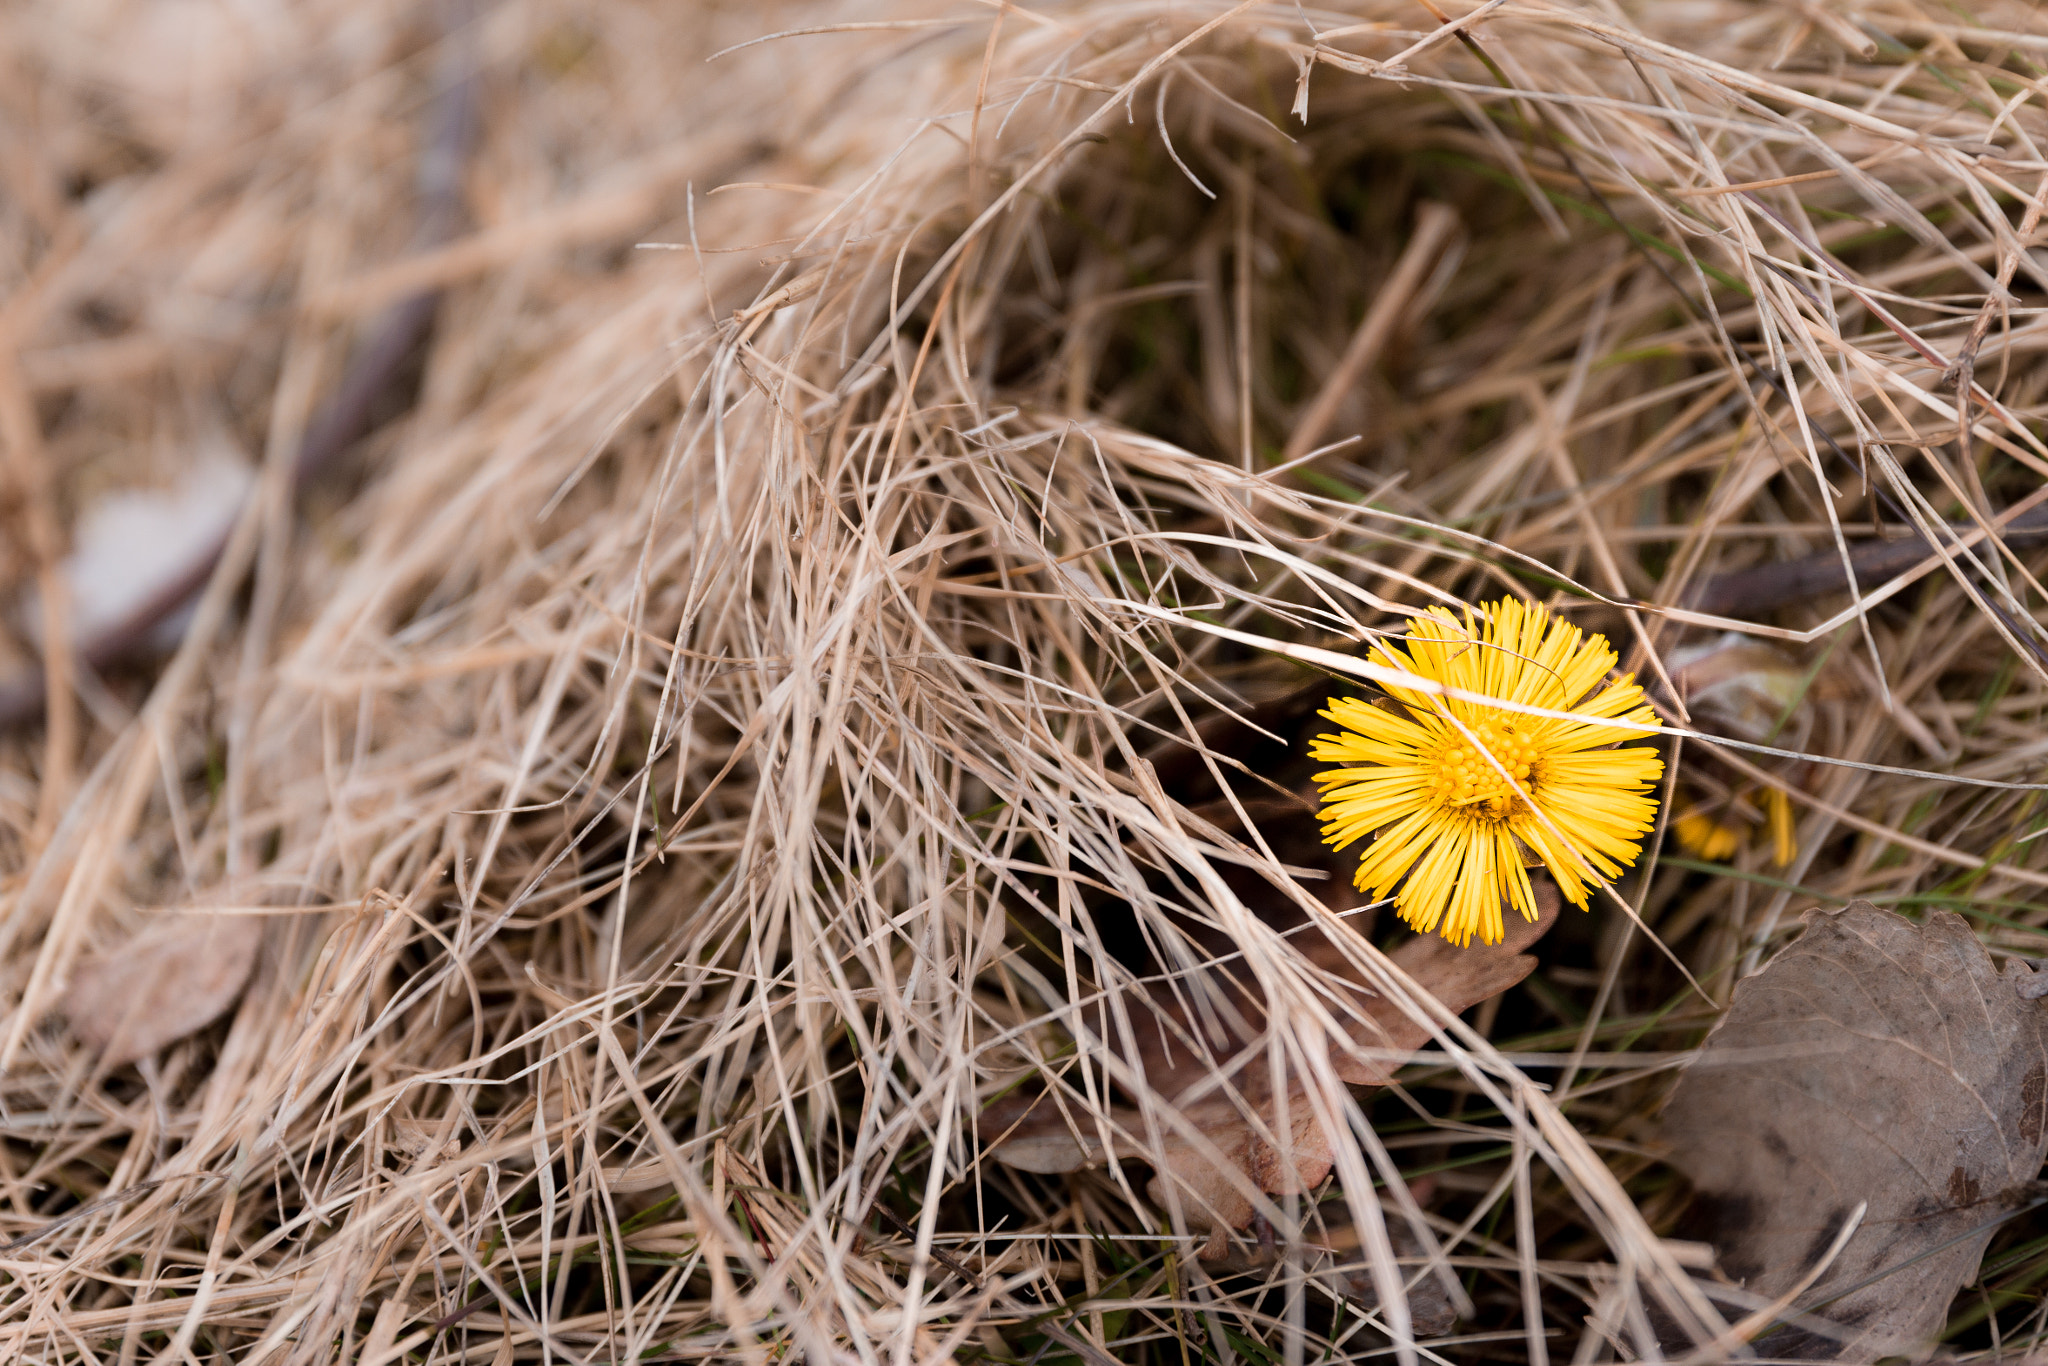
(714, 740)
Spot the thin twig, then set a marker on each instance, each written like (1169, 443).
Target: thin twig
(1765, 587)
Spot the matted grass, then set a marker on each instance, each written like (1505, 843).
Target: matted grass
(773, 689)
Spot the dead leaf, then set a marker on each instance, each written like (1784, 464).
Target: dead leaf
(133, 546)
(1181, 1052)
(1874, 1060)
(168, 981)
(417, 1137)
(1743, 686)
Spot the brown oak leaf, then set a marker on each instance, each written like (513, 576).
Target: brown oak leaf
(1875, 1062)
(1239, 1120)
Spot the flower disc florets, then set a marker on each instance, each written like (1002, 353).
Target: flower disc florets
(1463, 794)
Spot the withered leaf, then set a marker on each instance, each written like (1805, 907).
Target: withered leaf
(1745, 686)
(166, 982)
(1874, 1060)
(1180, 1051)
(132, 546)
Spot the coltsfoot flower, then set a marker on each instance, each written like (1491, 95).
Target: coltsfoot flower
(1464, 796)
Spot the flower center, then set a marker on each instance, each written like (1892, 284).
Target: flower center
(1463, 776)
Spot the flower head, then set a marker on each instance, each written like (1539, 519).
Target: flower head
(1700, 833)
(1460, 791)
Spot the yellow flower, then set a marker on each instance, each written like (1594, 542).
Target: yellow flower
(1698, 833)
(1460, 791)
(1718, 837)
